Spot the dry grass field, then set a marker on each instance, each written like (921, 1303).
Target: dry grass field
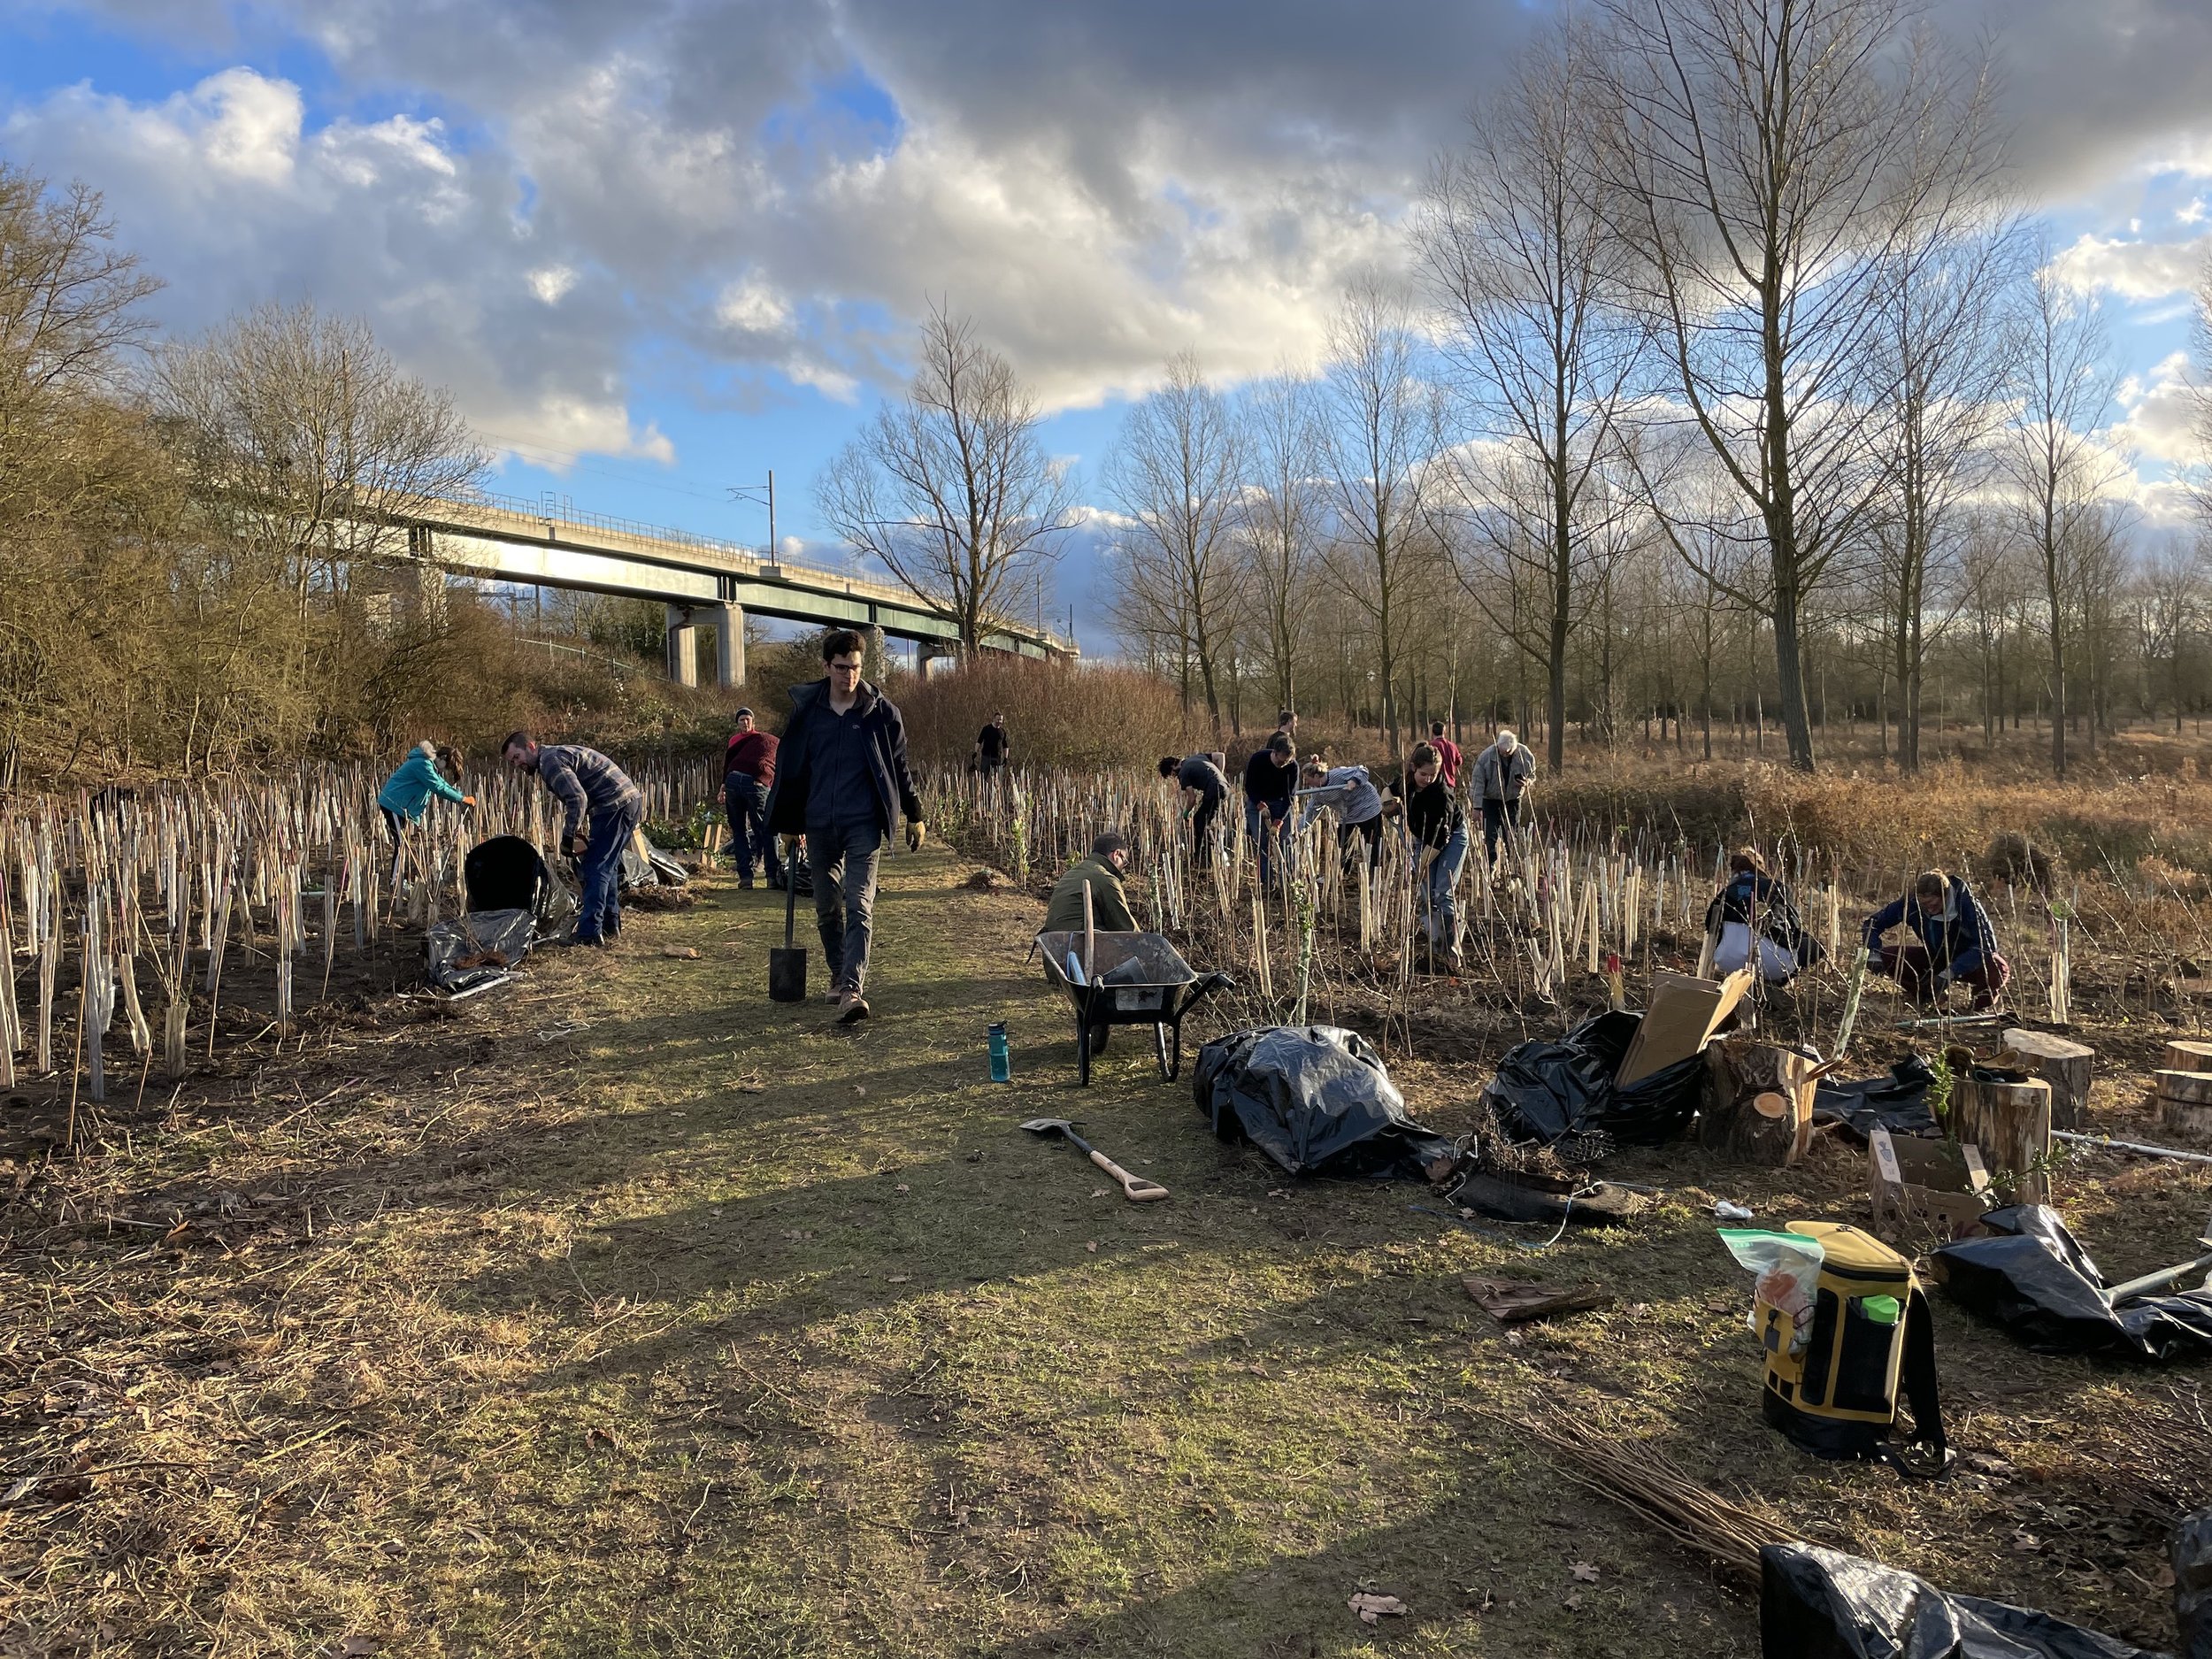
(631, 1314)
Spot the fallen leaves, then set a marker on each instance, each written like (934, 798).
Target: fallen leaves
(680, 953)
(1373, 1609)
(1584, 1573)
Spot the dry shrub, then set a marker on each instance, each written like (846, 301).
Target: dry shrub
(1101, 715)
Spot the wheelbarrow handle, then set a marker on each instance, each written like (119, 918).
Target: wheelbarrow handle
(1133, 1187)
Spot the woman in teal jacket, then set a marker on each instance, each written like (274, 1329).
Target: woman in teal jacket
(408, 791)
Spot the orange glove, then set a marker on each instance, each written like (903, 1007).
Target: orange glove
(469, 801)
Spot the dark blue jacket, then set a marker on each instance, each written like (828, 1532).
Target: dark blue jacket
(1956, 938)
(886, 734)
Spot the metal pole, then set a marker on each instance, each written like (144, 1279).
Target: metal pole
(774, 558)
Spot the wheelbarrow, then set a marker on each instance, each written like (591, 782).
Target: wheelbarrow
(1132, 980)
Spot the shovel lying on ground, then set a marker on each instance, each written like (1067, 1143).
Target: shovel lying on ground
(2164, 1278)
(1133, 1187)
(787, 965)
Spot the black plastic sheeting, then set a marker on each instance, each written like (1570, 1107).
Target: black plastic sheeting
(1553, 1088)
(1897, 1102)
(1316, 1099)
(1817, 1603)
(505, 934)
(2191, 1552)
(2036, 1281)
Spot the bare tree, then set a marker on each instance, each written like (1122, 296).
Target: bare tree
(2060, 468)
(949, 488)
(1280, 518)
(69, 310)
(1766, 160)
(1947, 351)
(1522, 262)
(1375, 420)
(2170, 592)
(307, 442)
(1175, 476)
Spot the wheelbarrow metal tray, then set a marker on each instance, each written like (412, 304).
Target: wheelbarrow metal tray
(1160, 973)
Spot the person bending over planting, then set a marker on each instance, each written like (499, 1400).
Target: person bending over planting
(1203, 787)
(601, 812)
(1950, 941)
(427, 771)
(841, 780)
(1438, 830)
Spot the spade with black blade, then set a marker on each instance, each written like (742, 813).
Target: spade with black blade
(786, 963)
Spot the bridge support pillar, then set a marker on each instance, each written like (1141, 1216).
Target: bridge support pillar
(874, 658)
(729, 646)
(935, 657)
(683, 661)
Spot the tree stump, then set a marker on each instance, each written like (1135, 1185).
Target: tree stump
(2185, 1099)
(2062, 1063)
(2183, 1055)
(1758, 1105)
(2008, 1115)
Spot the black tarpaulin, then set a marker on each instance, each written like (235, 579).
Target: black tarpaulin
(1316, 1099)
(1552, 1089)
(1897, 1102)
(2036, 1281)
(474, 949)
(1817, 1603)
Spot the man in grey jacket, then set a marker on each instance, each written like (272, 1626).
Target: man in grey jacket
(1502, 773)
(600, 812)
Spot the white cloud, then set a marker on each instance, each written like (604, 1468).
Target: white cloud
(550, 282)
(235, 202)
(2134, 270)
(2161, 411)
(751, 305)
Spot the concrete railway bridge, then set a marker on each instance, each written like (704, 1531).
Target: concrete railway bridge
(704, 583)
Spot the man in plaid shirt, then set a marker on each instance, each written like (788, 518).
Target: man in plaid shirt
(602, 808)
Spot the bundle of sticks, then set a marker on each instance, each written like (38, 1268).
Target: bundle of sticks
(1636, 1476)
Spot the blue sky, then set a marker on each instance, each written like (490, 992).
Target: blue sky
(657, 249)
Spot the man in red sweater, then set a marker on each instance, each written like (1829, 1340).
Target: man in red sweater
(1447, 753)
(748, 767)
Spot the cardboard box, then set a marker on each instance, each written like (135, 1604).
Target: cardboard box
(1685, 1013)
(1925, 1188)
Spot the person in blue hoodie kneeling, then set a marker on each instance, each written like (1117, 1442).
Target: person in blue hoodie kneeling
(1949, 942)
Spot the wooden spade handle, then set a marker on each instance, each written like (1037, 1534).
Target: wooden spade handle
(1133, 1187)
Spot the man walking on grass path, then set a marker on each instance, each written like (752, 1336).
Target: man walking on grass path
(841, 777)
(601, 811)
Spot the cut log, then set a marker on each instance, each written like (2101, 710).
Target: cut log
(2063, 1063)
(2184, 1120)
(2008, 1115)
(1758, 1102)
(2184, 1055)
(2187, 1088)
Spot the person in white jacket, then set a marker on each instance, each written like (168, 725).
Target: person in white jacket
(1351, 793)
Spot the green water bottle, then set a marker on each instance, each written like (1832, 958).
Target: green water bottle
(1002, 1059)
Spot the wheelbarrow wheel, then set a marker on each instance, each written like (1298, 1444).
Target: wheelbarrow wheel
(1167, 1046)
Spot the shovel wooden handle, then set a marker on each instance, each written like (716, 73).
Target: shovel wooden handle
(1133, 1187)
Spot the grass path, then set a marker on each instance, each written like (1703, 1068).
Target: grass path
(641, 1316)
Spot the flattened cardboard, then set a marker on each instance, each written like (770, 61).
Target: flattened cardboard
(1685, 1013)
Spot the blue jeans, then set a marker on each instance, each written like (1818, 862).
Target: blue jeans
(747, 804)
(611, 831)
(843, 857)
(1443, 917)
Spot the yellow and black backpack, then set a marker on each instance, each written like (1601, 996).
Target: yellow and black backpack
(1872, 1340)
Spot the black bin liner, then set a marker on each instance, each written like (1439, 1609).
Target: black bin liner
(2191, 1552)
(1316, 1099)
(1817, 1603)
(1551, 1088)
(504, 873)
(1897, 1102)
(2036, 1281)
